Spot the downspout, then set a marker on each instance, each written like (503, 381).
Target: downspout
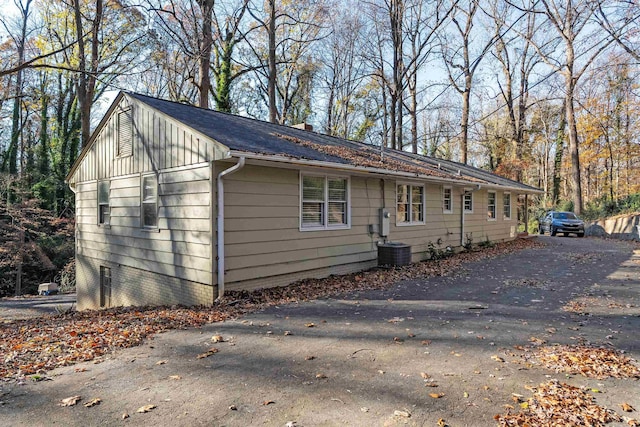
(220, 224)
(462, 237)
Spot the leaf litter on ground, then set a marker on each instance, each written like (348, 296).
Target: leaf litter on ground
(559, 405)
(40, 344)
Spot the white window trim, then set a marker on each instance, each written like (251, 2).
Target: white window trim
(142, 225)
(104, 224)
(464, 206)
(325, 214)
(495, 206)
(424, 203)
(507, 218)
(447, 211)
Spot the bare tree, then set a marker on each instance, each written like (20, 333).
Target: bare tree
(282, 49)
(462, 53)
(573, 22)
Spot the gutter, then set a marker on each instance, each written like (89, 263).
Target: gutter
(347, 167)
(462, 236)
(220, 223)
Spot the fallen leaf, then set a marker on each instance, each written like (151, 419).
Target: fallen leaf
(217, 338)
(233, 408)
(80, 369)
(146, 408)
(309, 325)
(436, 395)
(268, 402)
(626, 407)
(288, 333)
(405, 413)
(465, 395)
(70, 401)
(425, 375)
(161, 362)
(207, 353)
(175, 377)
(92, 402)
(321, 376)
(125, 416)
(633, 423)
(426, 342)
(497, 358)
(309, 357)
(441, 423)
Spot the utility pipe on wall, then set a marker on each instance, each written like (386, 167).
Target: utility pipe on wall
(220, 223)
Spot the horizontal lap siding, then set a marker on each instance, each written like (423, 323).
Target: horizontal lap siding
(182, 245)
(438, 226)
(481, 228)
(262, 235)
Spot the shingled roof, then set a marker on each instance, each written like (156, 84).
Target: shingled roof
(246, 135)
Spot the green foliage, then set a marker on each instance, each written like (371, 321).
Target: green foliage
(486, 243)
(565, 205)
(436, 252)
(605, 207)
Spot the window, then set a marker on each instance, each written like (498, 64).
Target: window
(447, 201)
(491, 205)
(506, 204)
(149, 201)
(324, 202)
(105, 286)
(125, 133)
(409, 204)
(104, 212)
(468, 201)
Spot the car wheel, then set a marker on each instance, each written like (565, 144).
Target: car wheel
(565, 234)
(580, 234)
(552, 231)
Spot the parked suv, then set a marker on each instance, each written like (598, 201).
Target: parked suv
(562, 222)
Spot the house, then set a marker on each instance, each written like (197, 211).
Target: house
(169, 196)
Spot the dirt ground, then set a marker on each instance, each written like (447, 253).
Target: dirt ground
(369, 358)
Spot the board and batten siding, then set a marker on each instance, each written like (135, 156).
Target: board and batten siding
(158, 143)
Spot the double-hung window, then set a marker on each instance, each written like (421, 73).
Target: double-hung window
(325, 202)
(409, 204)
(447, 201)
(104, 211)
(149, 201)
(506, 204)
(468, 202)
(491, 205)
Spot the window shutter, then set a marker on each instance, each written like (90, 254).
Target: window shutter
(125, 133)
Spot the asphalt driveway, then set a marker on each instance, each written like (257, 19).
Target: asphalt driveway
(417, 353)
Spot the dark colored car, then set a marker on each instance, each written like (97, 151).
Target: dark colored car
(562, 222)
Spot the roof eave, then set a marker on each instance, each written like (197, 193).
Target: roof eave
(347, 167)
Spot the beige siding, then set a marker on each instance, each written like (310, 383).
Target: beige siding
(180, 248)
(262, 233)
(264, 242)
(158, 143)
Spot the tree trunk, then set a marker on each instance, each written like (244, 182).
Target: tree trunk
(557, 162)
(573, 146)
(271, 83)
(204, 59)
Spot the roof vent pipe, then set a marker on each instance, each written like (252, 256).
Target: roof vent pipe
(220, 228)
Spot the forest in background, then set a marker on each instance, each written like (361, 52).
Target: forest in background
(542, 91)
